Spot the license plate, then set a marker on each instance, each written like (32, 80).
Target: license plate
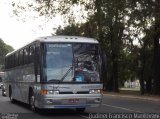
(73, 100)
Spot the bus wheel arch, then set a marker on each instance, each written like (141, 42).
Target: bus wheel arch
(10, 94)
(30, 94)
(10, 90)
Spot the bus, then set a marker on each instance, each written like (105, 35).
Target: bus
(56, 72)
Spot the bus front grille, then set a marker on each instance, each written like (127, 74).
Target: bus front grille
(79, 92)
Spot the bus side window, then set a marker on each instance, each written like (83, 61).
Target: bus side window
(21, 57)
(32, 54)
(37, 62)
(8, 60)
(6, 63)
(25, 56)
(13, 60)
(38, 59)
(16, 59)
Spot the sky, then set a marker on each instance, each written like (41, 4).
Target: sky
(17, 33)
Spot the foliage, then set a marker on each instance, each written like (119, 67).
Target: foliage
(4, 49)
(117, 24)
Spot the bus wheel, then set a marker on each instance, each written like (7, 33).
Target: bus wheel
(32, 103)
(80, 109)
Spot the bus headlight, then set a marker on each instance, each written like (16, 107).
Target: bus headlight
(55, 92)
(95, 91)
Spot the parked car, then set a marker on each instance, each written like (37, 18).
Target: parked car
(3, 90)
(1, 84)
(1, 79)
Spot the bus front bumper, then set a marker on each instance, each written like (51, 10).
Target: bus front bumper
(69, 101)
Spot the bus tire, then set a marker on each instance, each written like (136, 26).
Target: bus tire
(80, 109)
(32, 102)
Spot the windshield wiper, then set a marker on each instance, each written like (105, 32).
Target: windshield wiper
(67, 72)
(53, 80)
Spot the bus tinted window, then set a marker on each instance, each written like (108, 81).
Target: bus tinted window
(87, 61)
(58, 59)
(26, 55)
(16, 59)
(32, 54)
(21, 57)
(59, 63)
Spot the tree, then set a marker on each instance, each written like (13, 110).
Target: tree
(148, 18)
(156, 75)
(4, 49)
(146, 58)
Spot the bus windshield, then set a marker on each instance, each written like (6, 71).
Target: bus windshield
(76, 62)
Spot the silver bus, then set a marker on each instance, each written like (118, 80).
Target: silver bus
(55, 72)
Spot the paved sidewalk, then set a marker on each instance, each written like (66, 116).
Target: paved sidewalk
(142, 97)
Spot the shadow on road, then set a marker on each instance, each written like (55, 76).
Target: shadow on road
(48, 113)
(61, 112)
(21, 105)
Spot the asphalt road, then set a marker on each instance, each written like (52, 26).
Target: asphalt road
(110, 106)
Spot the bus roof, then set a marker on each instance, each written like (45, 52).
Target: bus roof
(58, 39)
(75, 39)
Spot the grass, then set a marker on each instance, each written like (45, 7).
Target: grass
(127, 91)
(130, 92)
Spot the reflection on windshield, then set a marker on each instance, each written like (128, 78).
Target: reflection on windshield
(86, 62)
(62, 66)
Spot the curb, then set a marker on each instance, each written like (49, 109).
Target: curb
(148, 98)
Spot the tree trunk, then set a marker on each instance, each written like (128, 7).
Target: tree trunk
(142, 86)
(143, 58)
(148, 86)
(115, 76)
(156, 74)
